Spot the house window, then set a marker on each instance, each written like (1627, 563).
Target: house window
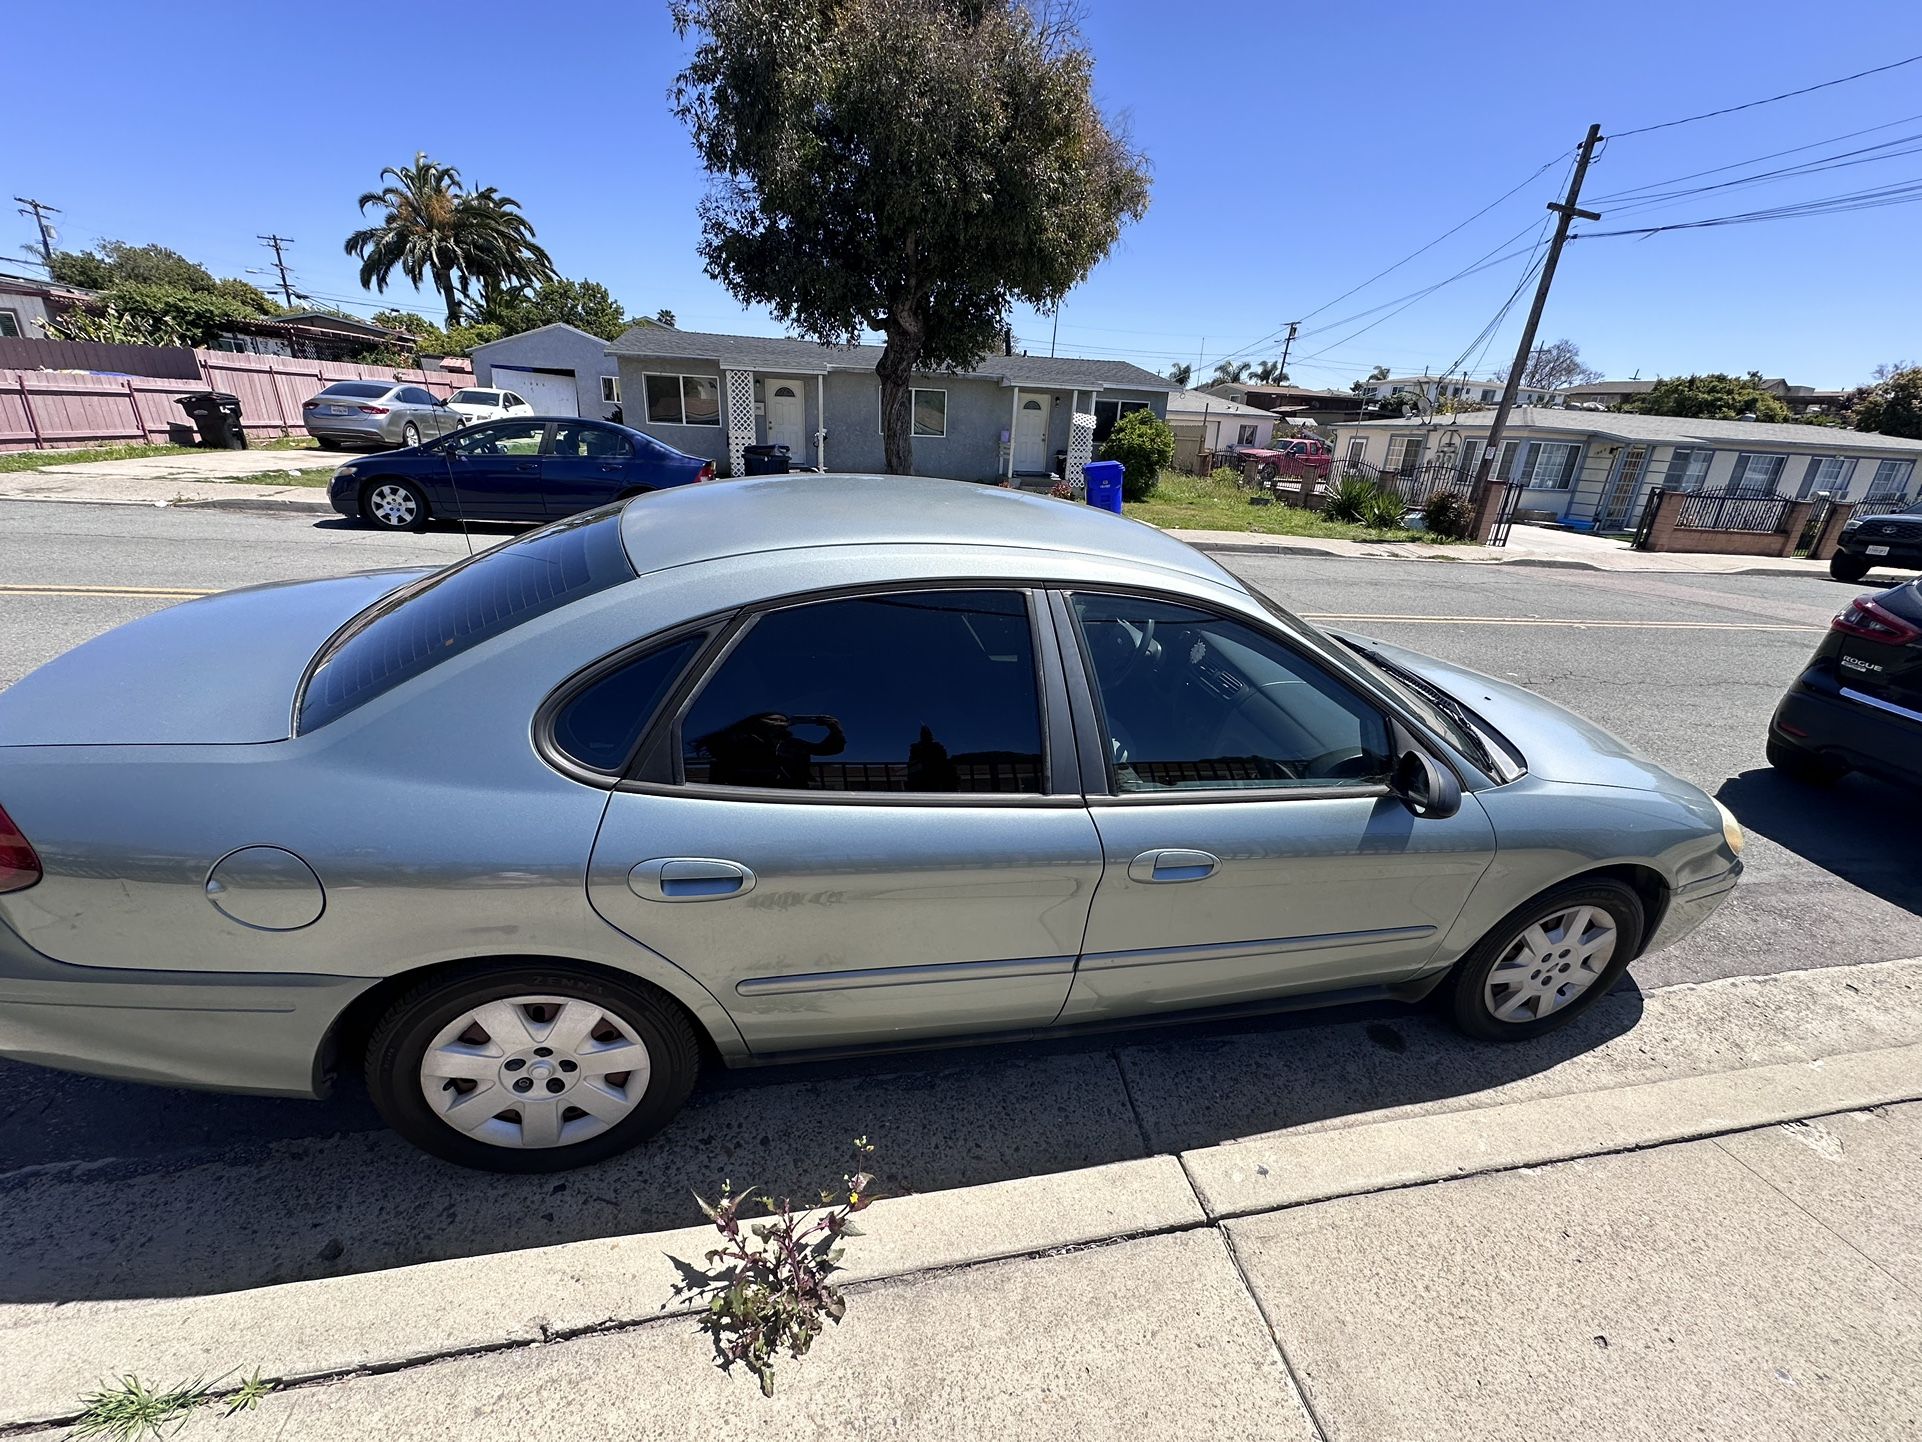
(1687, 468)
(9, 322)
(1245, 435)
(1106, 413)
(611, 390)
(1465, 468)
(927, 409)
(1891, 479)
(1506, 470)
(1405, 454)
(1755, 475)
(1487, 394)
(683, 400)
(1552, 464)
(1357, 448)
(1825, 473)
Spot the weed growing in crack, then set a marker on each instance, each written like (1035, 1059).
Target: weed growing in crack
(130, 1408)
(767, 1283)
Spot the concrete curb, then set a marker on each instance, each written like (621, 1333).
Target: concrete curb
(1253, 548)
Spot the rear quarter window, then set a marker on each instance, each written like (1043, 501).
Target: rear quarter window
(439, 616)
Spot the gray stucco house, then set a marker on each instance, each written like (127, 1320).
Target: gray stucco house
(711, 395)
(558, 369)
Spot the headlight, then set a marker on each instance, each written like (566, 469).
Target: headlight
(1731, 829)
(345, 473)
(1849, 525)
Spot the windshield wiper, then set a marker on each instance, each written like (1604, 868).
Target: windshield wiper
(1442, 702)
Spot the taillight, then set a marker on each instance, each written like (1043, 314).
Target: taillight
(372, 410)
(706, 473)
(308, 405)
(1872, 621)
(19, 866)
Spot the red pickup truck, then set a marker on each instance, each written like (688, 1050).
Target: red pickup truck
(1303, 456)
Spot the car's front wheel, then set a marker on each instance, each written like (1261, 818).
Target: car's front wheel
(531, 1069)
(1547, 962)
(1848, 568)
(394, 505)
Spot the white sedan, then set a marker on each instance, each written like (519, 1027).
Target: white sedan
(483, 404)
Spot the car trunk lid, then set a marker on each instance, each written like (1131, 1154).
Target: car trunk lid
(1879, 655)
(221, 670)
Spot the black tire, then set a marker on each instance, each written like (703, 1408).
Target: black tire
(1465, 992)
(373, 516)
(1807, 767)
(1848, 568)
(410, 434)
(401, 1038)
(328, 443)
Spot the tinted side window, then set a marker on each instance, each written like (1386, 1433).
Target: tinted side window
(601, 726)
(451, 611)
(1193, 701)
(923, 691)
(414, 396)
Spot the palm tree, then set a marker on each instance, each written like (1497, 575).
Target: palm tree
(1181, 374)
(435, 227)
(1270, 373)
(1229, 373)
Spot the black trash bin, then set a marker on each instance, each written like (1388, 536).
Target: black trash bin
(765, 460)
(217, 414)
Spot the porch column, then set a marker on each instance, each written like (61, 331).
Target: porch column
(737, 389)
(1080, 437)
(1014, 417)
(820, 422)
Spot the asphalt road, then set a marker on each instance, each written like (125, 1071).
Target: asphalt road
(99, 1182)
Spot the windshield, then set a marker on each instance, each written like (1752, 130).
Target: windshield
(474, 398)
(439, 616)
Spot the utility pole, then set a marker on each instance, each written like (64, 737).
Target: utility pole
(1565, 214)
(40, 210)
(275, 242)
(1056, 331)
(1286, 346)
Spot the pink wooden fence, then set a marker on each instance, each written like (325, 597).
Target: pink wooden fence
(56, 408)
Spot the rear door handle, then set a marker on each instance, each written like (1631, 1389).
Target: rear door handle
(689, 878)
(1172, 864)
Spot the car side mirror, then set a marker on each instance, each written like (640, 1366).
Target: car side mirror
(1426, 788)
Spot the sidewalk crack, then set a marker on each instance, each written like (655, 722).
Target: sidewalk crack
(1274, 1335)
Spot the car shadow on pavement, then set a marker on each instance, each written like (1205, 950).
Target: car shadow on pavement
(1849, 829)
(136, 1192)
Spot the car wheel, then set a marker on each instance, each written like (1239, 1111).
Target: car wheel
(328, 443)
(394, 505)
(410, 434)
(1547, 962)
(1804, 766)
(1848, 568)
(533, 1069)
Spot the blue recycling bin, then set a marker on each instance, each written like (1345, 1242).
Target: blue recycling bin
(1104, 484)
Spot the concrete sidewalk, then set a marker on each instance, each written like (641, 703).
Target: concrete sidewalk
(1705, 1224)
(224, 477)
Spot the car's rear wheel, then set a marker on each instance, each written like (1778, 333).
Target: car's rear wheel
(1547, 962)
(1848, 568)
(531, 1069)
(410, 434)
(394, 505)
(1804, 766)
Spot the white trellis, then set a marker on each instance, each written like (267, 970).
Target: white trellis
(1080, 438)
(740, 417)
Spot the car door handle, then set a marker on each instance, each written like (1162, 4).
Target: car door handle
(528, 466)
(1172, 864)
(689, 878)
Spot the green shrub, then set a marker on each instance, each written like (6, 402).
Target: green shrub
(1449, 515)
(1225, 476)
(1349, 499)
(1382, 511)
(1143, 443)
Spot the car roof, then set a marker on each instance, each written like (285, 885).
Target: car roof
(688, 525)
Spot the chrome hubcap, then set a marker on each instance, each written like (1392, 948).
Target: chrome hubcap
(535, 1071)
(1551, 963)
(393, 505)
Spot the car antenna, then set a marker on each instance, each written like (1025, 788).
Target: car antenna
(453, 482)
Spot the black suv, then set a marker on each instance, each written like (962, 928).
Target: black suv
(1869, 541)
(1858, 705)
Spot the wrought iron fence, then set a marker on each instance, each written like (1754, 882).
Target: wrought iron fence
(1714, 511)
(1881, 506)
(1413, 484)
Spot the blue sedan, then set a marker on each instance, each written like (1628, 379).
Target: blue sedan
(528, 468)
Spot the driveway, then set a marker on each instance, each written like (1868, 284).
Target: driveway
(172, 480)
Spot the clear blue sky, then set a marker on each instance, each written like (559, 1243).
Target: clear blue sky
(1296, 151)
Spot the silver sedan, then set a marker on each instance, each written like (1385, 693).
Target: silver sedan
(377, 413)
(780, 767)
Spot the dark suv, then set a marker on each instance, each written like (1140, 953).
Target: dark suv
(1870, 541)
(1858, 705)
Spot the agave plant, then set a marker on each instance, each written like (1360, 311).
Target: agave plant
(1349, 500)
(434, 227)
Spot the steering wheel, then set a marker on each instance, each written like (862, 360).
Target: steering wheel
(1144, 641)
(1347, 763)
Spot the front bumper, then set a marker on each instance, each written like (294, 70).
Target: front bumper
(1691, 905)
(343, 494)
(223, 1031)
(1903, 555)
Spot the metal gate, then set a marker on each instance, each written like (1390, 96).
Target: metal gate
(1647, 521)
(1612, 509)
(1505, 516)
(1812, 532)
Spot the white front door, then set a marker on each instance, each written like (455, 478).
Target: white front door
(787, 418)
(1031, 437)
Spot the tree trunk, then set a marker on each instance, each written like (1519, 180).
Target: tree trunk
(445, 281)
(896, 370)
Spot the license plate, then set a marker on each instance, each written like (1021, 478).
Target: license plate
(342, 410)
(1877, 550)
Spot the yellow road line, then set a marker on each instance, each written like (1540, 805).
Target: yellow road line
(178, 591)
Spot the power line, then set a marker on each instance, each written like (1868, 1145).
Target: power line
(1906, 192)
(40, 210)
(275, 243)
(1634, 191)
(1766, 100)
(1845, 160)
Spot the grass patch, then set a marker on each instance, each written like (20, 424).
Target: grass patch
(79, 455)
(1200, 503)
(319, 476)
